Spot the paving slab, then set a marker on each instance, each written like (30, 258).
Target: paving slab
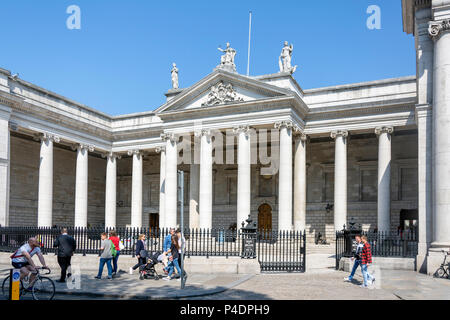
(126, 286)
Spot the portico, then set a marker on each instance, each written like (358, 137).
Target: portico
(262, 146)
(227, 143)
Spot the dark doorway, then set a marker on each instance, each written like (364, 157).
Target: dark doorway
(154, 220)
(409, 220)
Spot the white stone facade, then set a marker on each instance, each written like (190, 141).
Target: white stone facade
(369, 151)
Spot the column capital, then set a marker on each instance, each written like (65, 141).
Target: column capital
(339, 133)
(168, 136)
(83, 146)
(45, 136)
(299, 133)
(436, 28)
(110, 155)
(284, 124)
(380, 130)
(160, 149)
(135, 152)
(241, 129)
(203, 132)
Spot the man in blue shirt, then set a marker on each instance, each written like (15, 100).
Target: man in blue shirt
(168, 240)
(167, 244)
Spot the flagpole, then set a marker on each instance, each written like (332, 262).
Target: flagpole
(249, 42)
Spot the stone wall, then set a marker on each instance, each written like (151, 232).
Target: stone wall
(362, 185)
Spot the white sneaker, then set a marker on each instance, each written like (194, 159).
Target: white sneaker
(347, 279)
(131, 270)
(167, 278)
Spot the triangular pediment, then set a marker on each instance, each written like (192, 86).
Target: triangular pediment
(222, 88)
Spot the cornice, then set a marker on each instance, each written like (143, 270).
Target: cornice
(345, 112)
(239, 107)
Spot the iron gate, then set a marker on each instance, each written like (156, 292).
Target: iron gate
(281, 251)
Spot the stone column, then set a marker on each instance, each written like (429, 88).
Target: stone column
(81, 185)
(205, 179)
(424, 136)
(136, 188)
(162, 185)
(300, 182)
(244, 174)
(194, 180)
(340, 179)
(111, 189)
(440, 33)
(424, 57)
(384, 177)
(424, 75)
(5, 113)
(45, 196)
(285, 176)
(170, 210)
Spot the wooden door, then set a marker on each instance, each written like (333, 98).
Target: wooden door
(265, 218)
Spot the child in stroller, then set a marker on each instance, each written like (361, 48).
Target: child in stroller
(147, 270)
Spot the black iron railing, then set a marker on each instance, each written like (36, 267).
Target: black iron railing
(199, 242)
(279, 251)
(383, 244)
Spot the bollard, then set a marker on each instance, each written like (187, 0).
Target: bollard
(14, 284)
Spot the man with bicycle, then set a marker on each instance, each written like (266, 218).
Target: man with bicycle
(23, 259)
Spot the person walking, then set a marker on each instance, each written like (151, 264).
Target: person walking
(174, 258)
(166, 247)
(182, 246)
(141, 252)
(115, 240)
(106, 256)
(66, 246)
(366, 259)
(356, 257)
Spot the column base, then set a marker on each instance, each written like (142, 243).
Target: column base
(435, 257)
(421, 263)
(421, 258)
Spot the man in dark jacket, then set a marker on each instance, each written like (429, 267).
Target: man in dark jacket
(66, 246)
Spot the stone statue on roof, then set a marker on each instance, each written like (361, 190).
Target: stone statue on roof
(286, 58)
(174, 73)
(227, 59)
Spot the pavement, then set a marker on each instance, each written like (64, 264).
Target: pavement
(315, 284)
(125, 286)
(327, 284)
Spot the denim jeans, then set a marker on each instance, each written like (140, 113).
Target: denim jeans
(356, 264)
(173, 264)
(115, 261)
(108, 265)
(366, 275)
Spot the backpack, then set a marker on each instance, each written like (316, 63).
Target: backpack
(113, 249)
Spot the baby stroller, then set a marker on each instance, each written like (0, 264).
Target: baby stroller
(147, 270)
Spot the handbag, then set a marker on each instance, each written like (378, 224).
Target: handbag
(121, 245)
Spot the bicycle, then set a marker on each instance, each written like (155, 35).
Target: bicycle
(443, 270)
(42, 288)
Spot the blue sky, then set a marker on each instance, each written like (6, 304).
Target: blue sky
(120, 60)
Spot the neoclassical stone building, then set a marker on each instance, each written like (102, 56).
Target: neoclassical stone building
(376, 152)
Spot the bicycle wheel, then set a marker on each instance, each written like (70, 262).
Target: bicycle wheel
(5, 288)
(43, 289)
(440, 273)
